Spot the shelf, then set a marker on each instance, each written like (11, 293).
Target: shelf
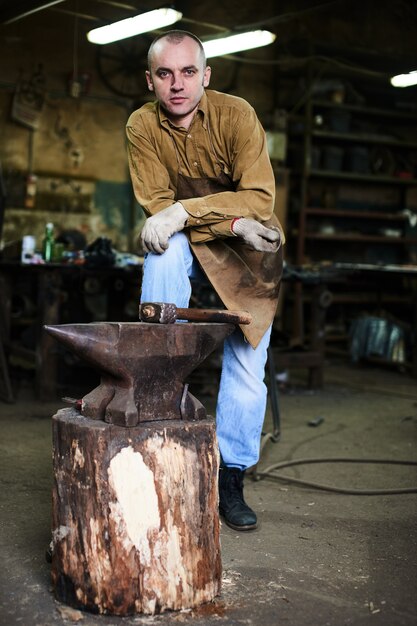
(364, 138)
(376, 215)
(363, 238)
(368, 178)
(371, 111)
(369, 298)
(39, 211)
(356, 210)
(379, 298)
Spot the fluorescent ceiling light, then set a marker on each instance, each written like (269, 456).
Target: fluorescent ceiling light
(30, 10)
(405, 80)
(236, 43)
(131, 26)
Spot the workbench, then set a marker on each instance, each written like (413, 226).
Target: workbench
(382, 276)
(63, 293)
(381, 290)
(57, 294)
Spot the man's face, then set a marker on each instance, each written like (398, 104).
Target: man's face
(177, 76)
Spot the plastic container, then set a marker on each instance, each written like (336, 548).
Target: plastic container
(28, 249)
(357, 160)
(315, 157)
(333, 158)
(339, 120)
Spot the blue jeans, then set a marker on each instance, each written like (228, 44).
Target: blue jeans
(242, 394)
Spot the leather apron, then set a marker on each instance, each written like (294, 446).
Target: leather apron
(244, 279)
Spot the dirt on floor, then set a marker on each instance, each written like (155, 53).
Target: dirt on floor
(337, 539)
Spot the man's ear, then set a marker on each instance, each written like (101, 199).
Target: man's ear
(149, 80)
(206, 76)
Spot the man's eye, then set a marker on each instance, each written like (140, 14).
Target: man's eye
(162, 74)
(189, 72)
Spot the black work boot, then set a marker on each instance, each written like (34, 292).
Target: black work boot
(232, 506)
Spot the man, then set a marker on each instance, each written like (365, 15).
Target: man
(200, 169)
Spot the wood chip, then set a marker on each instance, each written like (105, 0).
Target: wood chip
(67, 612)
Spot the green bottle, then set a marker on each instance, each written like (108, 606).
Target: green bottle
(48, 243)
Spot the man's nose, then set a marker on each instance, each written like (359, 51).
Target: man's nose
(177, 83)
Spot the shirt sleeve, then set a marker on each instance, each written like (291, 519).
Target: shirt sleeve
(253, 177)
(150, 178)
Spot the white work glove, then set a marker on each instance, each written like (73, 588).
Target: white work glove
(161, 226)
(256, 235)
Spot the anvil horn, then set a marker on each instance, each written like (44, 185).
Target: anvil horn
(95, 343)
(143, 367)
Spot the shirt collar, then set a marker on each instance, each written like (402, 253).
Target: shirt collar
(202, 109)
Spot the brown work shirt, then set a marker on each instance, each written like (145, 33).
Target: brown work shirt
(223, 161)
(225, 135)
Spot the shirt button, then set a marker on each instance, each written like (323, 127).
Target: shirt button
(189, 136)
(195, 163)
(198, 213)
(198, 221)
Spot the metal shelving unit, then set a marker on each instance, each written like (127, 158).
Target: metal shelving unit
(353, 211)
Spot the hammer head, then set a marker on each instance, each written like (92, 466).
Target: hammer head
(158, 312)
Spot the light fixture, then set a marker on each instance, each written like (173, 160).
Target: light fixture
(405, 80)
(228, 44)
(27, 9)
(131, 26)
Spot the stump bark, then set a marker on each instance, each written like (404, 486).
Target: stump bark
(135, 514)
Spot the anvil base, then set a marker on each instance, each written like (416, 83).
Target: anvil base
(135, 514)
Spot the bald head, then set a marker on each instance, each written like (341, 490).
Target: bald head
(178, 74)
(175, 37)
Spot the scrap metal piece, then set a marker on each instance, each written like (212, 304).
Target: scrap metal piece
(316, 421)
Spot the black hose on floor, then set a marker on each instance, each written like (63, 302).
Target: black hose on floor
(268, 473)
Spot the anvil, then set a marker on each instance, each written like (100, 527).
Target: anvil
(142, 366)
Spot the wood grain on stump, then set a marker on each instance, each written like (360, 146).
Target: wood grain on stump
(135, 514)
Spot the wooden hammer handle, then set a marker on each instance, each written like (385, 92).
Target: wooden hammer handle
(167, 313)
(214, 315)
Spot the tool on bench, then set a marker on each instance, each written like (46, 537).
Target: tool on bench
(167, 313)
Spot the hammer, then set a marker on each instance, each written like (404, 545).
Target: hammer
(166, 313)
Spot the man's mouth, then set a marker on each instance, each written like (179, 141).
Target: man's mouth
(177, 100)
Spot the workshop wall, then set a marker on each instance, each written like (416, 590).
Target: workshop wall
(75, 142)
(75, 146)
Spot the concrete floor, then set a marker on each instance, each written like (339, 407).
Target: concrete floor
(318, 558)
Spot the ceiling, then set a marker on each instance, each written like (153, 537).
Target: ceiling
(359, 35)
(385, 29)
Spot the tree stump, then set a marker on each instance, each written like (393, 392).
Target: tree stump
(135, 514)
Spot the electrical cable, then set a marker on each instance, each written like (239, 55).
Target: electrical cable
(294, 62)
(292, 15)
(257, 475)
